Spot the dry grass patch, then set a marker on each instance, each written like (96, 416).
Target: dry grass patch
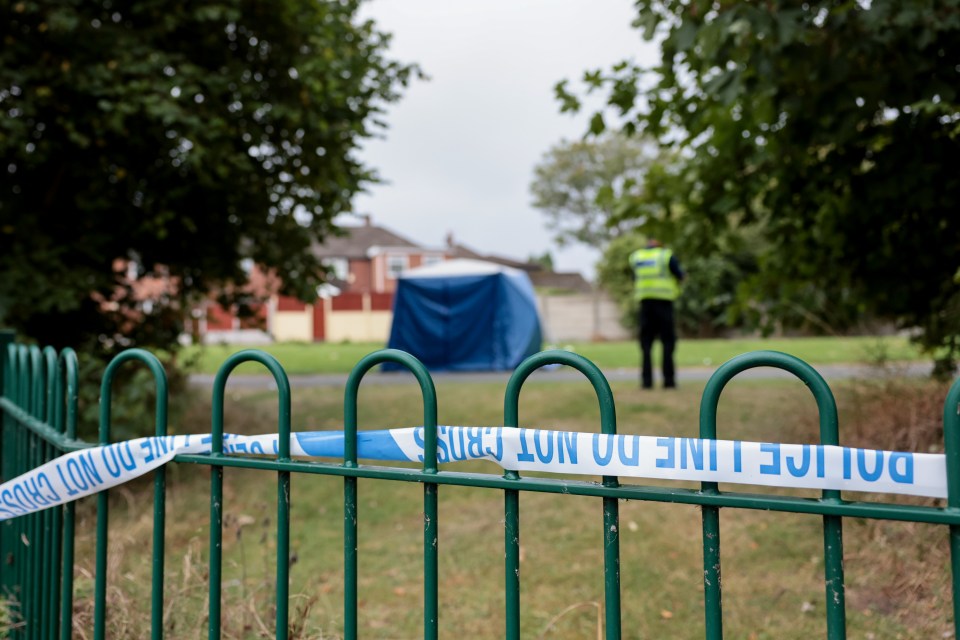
(773, 584)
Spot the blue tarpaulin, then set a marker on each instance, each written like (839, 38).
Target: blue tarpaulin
(465, 315)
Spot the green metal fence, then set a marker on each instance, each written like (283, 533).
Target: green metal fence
(39, 420)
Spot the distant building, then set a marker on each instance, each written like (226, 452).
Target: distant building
(368, 258)
(356, 304)
(561, 282)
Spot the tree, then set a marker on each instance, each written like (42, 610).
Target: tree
(705, 307)
(577, 185)
(830, 127)
(613, 192)
(545, 260)
(176, 140)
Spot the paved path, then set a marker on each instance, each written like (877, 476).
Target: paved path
(561, 374)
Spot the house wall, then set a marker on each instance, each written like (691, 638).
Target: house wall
(218, 319)
(293, 325)
(378, 269)
(358, 317)
(361, 276)
(286, 303)
(320, 312)
(349, 302)
(580, 317)
(382, 281)
(381, 301)
(575, 317)
(367, 317)
(359, 326)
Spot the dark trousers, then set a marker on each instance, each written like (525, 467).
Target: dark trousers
(656, 321)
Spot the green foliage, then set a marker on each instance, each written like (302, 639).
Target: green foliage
(577, 185)
(176, 141)
(831, 129)
(703, 309)
(133, 398)
(616, 277)
(9, 616)
(545, 260)
(704, 306)
(607, 193)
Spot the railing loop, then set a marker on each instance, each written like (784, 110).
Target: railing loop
(826, 404)
(832, 525)
(159, 508)
(428, 392)
(283, 390)
(106, 390)
(611, 509)
(67, 423)
(511, 401)
(36, 394)
(50, 386)
(283, 489)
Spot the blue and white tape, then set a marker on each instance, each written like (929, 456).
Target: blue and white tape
(88, 471)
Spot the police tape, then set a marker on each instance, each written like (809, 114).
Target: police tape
(88, 471)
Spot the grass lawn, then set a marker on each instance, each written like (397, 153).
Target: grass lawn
(304, 358)
(773, 583)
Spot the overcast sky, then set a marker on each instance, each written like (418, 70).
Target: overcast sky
(460, 151)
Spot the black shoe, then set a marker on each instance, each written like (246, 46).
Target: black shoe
(672, 385)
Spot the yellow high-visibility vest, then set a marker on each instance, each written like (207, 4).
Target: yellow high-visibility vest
(651, 275)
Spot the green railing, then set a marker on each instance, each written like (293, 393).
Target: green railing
(39, 416)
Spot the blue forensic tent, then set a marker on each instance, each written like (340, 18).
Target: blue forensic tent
(465, 315)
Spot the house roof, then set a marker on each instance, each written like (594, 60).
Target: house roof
(540, 277)
(463, 251)
(562, 281)
(356, 241)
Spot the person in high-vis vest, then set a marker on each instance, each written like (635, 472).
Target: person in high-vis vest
(656, 279)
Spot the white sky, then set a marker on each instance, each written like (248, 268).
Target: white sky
(459, 154)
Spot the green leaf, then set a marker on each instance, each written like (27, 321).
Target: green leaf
(597, 125)
(683, 37)
(130, 129)
(827, 134)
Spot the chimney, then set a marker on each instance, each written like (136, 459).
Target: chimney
(450, 244)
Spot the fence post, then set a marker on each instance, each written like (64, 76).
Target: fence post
(611, 508)
(52, 521)
(6, 529)
(281, 629)
(6, 338)
(159, 507)
(832, 525)
(430, 495)
(951, 445)
(65, 420)
(31, 584)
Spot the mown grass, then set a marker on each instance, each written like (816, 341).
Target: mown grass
(897, 580)
(321, 357)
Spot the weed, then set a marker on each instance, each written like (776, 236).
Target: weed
(773, 582)
(897, 569)
(9, 617)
